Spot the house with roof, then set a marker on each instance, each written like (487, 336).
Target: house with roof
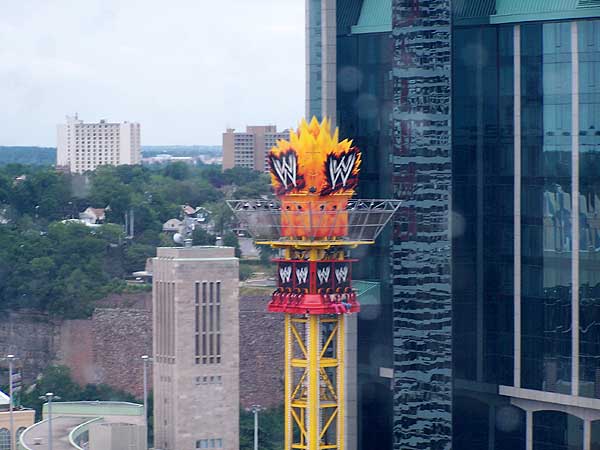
(93, 216)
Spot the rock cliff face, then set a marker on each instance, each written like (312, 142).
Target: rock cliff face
(107, 347)
(120, 338)
(32, 337)
(261, 354)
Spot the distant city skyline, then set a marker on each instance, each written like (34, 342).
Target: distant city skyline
(184, 73)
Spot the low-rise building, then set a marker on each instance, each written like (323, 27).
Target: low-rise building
(22, 419)
(91, 425)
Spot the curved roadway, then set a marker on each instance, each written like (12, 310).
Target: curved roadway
(61, 427)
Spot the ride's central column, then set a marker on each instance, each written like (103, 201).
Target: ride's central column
(313, 223)
(314, 292)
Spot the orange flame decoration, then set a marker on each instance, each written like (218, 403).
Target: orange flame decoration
(314, 175)
(314, 161)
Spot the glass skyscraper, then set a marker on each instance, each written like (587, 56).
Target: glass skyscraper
(483, 116)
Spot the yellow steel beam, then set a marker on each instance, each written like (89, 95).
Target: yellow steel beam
(295, 320)
(328, 423)
(315, 402)
(328, 383)
(299, 422)
(341, 380)
(299, 385)
(299, 339)
(288, 382)
(328, 341)
(314, 330)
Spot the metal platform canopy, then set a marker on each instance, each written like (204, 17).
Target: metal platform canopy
(306, 220)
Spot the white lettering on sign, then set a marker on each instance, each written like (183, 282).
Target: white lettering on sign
(286, 168)
(341, 169)
(302, 274)
(285, 273)
(341, 273)
(323, 274)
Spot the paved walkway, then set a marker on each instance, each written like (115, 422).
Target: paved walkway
(61, 427)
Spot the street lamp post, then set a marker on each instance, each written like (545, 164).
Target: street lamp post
(255, 409)
(146, 360)
(11, 359)
(49, 397)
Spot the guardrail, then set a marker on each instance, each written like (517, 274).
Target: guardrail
(22, 437)
(79, 430)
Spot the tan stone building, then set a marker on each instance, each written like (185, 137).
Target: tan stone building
(250, 149)
(23, 418)
(196, 348)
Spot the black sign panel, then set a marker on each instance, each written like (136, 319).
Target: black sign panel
(302, 275)
(324, 275)
(341, 275)
(285, 275)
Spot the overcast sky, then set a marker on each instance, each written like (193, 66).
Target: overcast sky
(184, 69)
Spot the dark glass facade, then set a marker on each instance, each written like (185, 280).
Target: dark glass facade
(546, 224)
(421, 250)
(483, 135)
(589, 207)
(364, 102)
(314, 71)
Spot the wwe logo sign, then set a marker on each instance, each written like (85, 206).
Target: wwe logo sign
(285, 273)
(341, 273)
(302, 274)
(285, 168)
(323, 275)
(341, 171)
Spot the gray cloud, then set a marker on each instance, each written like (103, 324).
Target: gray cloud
(184, 69)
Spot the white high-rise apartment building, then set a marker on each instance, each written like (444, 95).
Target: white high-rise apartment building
(84, 146)
(250, 149)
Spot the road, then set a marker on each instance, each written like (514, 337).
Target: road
(61, 427)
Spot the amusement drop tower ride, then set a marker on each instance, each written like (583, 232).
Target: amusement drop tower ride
(314, 222)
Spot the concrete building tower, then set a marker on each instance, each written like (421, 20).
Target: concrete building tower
(249, 149)
(196, 348)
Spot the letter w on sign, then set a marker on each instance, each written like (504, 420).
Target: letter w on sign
(286, 168)
(285, 273)
(323, 274)
(340, 169)
(341, 273)
(302, 274)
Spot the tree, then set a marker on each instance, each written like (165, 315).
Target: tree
(270, 429)
(57, 379)
(136, 256)
(203, 237)
(178, 171)
(230, 239)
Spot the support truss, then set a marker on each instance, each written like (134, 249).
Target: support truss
(314, 373)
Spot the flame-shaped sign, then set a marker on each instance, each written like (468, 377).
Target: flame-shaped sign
(314, 174)
(313, 161)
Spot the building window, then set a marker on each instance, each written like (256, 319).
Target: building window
(20, 432)
(4, 439)
(212, 379)
(208, 322)
(209, 443)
